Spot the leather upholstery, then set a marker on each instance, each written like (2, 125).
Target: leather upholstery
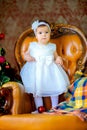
(6, 100)
(22, 102)
(18, 96)
(41, 122)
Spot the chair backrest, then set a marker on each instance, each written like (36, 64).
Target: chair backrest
(71, 46)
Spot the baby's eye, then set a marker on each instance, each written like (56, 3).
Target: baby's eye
(40, 32)
(46, 32)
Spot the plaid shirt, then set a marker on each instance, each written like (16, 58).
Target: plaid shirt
(77, 96)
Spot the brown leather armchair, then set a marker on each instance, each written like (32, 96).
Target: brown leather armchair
(72, 47)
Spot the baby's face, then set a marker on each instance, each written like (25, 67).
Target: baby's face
(43, 34)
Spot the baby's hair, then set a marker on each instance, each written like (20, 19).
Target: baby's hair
(44, 22)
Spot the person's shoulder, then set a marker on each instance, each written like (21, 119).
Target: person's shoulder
(33, 43)
(53, 45)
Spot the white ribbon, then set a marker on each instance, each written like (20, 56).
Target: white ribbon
(49, 60)
(44, 60)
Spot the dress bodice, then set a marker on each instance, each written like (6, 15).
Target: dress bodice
(37, 50)
(42, 53)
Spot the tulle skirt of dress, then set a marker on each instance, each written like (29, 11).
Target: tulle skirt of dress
(44, 80)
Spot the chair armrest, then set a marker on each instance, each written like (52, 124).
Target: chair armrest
(17, 95)
(22, 102)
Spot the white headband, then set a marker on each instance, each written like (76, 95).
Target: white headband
(37, 23)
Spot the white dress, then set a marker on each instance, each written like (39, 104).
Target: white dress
(43, 77)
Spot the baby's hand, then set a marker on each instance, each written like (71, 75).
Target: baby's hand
(59, 60)
(28, 58)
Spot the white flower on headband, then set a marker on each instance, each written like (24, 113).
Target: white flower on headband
(35, 25)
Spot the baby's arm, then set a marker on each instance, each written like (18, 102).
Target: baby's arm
(58, 59)
(28, 57)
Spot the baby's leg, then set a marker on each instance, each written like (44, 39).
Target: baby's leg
(54, 101)
(38, 102)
